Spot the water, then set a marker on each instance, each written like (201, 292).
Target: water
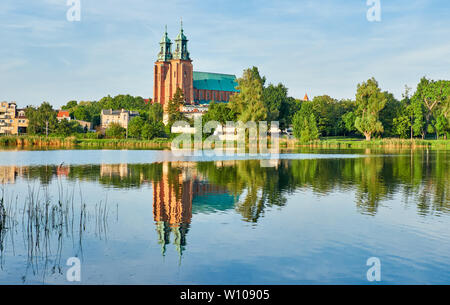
(149, 217)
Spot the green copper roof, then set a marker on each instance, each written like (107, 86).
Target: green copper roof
(215, 81)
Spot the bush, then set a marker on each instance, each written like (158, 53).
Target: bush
(115, 131)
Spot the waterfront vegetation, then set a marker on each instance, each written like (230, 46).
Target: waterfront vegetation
(81, 141)
(374, 114)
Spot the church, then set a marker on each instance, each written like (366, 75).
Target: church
(175, 69)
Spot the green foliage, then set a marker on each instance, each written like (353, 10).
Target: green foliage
(135, 127)
(369, 102)
(305, 125)
(219, 112)
(392, 110)
(66, 128)
(349, 119)
(81, 113)
(174, 107)
(156, 112)
(70, 105)
(115, 131)
(41, 119)
(248, 103)
(151, 130)
(428, 102)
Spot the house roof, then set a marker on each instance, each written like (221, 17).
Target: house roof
(63, 114)
(215, 81)
(118, 112)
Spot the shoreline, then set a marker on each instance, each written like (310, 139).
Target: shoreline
(28, 142)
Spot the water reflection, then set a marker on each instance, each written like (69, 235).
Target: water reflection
(39, 225)
(183, 189)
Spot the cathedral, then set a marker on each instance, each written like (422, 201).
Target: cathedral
(174, 69)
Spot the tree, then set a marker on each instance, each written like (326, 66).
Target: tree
(440, 125)
(369, 102)
(70, 105)
(66, 128)
(81, 113)
(115, 131)
(248, 103)
(135, 127)
(429, 97)
(41, 120)
(349, 119)
(273, 97)
(151, 130)
(393, 109)
(402, 125)
(219, 112)
(174, 107)
(305, 127)
(156, 112)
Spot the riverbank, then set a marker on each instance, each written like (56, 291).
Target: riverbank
(73, 142)
(338, 142)
(343, 142)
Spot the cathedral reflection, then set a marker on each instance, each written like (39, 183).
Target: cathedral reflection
(173, 197)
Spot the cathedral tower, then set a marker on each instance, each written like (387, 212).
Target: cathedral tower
(173, 70)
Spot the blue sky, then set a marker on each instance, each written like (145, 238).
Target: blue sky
(314, 46)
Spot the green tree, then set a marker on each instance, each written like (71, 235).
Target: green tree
(156, 112)
(440, 125)
(349, 119)
(115, 131)
(151, 130)
(81, 113)
(305, 124)
(248, 103)
(135, 127)
(219, 112)
(174, 107)
(66, 128)
(41, 120)
(369, 102)
(70, 105)
(429, 97)
(392, 110)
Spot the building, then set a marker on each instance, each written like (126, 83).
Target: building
(85, 125)
(13, 121)
(63, 115)
(121, 117)
(175, 70)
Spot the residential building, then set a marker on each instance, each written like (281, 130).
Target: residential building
(13, 121)
(121, 117)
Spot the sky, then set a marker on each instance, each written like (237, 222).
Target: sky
(311, 46)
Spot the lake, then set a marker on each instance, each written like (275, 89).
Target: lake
(150, 217)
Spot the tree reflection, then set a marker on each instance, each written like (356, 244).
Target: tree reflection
(182, 189)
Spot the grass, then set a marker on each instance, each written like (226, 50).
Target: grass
(343, 142)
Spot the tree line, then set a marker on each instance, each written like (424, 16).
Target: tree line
(373, 112)
(424, 113)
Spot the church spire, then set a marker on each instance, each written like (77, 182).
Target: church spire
(165, 53)
(181, 51)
